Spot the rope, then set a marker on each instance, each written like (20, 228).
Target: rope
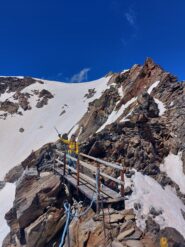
(67, 210)
(86, 210)
(67, 207)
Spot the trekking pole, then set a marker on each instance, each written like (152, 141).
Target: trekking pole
(56, 130)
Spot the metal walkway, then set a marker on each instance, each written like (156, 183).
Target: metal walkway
(88, 177)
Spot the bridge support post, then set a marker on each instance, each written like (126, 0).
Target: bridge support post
(78, 173)
(122, 186)
(98, 189)
(64, 172)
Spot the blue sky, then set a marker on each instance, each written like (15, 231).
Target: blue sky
(77, 40)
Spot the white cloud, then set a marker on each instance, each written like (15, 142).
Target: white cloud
(131, 17)
(81, 76)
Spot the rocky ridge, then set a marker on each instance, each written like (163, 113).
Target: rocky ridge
(18, 100)
(140, 137)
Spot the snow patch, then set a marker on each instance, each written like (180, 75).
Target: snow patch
(116, 114)
(120, 91)
(173, 166)
(6, 95)
(155, 84)
(124, 71)
(161, 106)
(7, 195)
(149, 193)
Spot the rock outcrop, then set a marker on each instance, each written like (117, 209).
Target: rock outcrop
(138, 120)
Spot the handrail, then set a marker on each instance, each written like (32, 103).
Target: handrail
(96, 170)
(92, 168)
(106, 163)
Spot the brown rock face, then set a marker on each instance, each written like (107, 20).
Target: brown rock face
(98, 112)
(41, 231)
(14, 84)
(13, 175)
(33, 196)
(37, 206)
(132, 83)
(8, 106)
(44, 96)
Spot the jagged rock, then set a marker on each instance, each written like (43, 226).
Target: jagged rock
(164, 180)
(134, 243)
(116, 244)
(155, 212)
(14, 174)
(9, 107)
(149, 240)
(183, 214)
(128, 191)
(44, 96)
(2, 184)
(147, 105)
(14, 84)
(124, 234)
(152, 226)
(98, 113)
(151, 169)
(113, 218)
(136, 235)
(90, 94)
(97, 150)
(137, 206)
(88, 232)
(41, 231)
(33, 196)
(129, 211)
(126, 225)
(22, 100)
(183, 160)
(173, 236)
(130, 217)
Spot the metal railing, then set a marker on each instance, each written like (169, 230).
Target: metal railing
(96, 170)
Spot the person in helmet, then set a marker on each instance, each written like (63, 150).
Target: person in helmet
(72, 149)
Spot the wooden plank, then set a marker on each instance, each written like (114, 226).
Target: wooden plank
(92, 168)
(84, 189)
(104, 189)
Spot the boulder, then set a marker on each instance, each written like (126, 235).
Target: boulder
(41, 231)
(134, 243)
(34, 196)
(14, 174)
(173, 236)
(124, 234)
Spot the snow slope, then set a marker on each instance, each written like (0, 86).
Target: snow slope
(38, 123)
(6, 204)
(173, 166)
(149, 193)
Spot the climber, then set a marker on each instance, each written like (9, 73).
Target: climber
(72, 149)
